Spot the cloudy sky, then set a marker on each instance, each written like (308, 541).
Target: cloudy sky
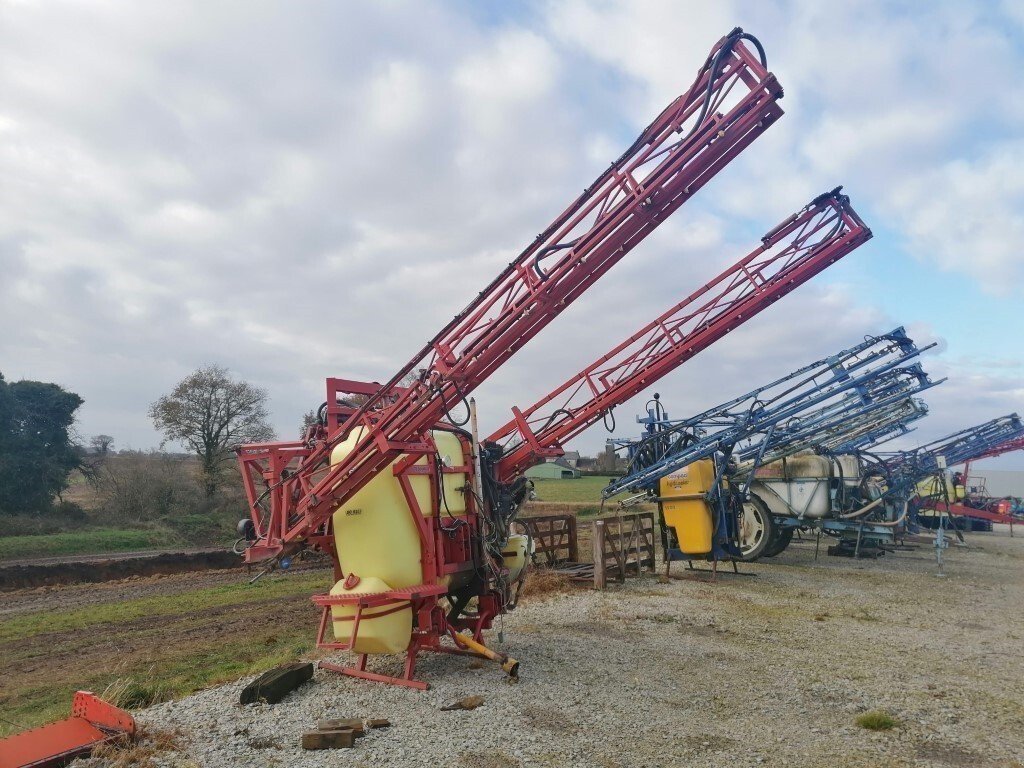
(303, 190)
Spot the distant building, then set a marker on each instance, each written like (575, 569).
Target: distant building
(572, 458)
(555, 469)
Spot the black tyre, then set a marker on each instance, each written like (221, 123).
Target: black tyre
(779, 541)
(756, 529)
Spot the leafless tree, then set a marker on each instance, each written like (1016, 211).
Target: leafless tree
(210, 413)
(137, 487)
(101, 444)
(308, 420)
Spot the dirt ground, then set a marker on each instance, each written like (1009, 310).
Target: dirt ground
(770, 669)
(103, 641)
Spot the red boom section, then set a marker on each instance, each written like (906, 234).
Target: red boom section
(733, 101)
(799, 248)
(1008, 447)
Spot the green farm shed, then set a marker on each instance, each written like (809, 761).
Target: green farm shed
(559, 469)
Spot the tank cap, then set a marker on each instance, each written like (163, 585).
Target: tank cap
(351, 581)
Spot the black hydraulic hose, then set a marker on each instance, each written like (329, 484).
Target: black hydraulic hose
(447, 413)
(604, 419)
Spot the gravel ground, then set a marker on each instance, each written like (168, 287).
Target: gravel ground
(771, 669)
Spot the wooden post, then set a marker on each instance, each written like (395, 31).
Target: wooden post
(574, 554)
(598, 546)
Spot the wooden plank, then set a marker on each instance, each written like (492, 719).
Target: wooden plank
(337, 739)
(275, 684)
(344, 724)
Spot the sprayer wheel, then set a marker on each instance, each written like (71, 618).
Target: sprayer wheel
(757, 529)
(779, 542)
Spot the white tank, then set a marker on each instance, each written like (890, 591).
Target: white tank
(851, 470)
(796, 486)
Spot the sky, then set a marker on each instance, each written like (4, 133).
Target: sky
(298, 191)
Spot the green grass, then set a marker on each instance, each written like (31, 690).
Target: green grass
(580, 490)
(166, 671)
(30, 624)
(877, 720)
(88, 541)
(165, 679)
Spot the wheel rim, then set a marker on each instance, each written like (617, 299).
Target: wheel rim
(752, 529)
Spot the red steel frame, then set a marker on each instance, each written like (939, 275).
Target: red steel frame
(796, 250)
(674, 157)
(732, 102)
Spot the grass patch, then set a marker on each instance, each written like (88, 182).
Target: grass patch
(877, 720)
(90, 541)
(580, 489)
(180, 673)
(203, 657)
(140, 751)
(30, 624)
(542, 582)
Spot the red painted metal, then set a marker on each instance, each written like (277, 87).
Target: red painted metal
(92, 722)
(292, 488)
(796, 250)
(733, 100)
(962, 510)
(1008, 447)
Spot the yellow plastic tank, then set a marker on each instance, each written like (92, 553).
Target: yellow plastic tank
(374, 531)
(931, 486)
(382, 629)
(684, 508)
(514, 554)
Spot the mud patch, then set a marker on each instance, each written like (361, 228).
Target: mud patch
(92, 571)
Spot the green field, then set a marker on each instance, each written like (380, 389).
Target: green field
(581, 490)
(86, 541)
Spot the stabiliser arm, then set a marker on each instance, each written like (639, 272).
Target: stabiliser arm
(733, 100)
(797, 249)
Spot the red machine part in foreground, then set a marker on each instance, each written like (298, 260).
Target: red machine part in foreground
(733, 100)
(92, 722)
(796, 250)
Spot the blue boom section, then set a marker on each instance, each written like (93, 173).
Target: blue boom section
(879, 433)
(890, 403)
(863, 382)
(957, 448)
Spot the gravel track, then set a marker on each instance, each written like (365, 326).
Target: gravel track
(765, 670)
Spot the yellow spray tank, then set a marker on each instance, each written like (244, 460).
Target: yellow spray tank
(377, 541)
(931, 486)
(684, 508)
(516, 553)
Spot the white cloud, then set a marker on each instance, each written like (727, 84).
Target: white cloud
(968, 215)
(298, 194)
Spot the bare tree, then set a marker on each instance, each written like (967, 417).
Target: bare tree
(308, 420)
(136, 487)
(210, 413)
(101, 444)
